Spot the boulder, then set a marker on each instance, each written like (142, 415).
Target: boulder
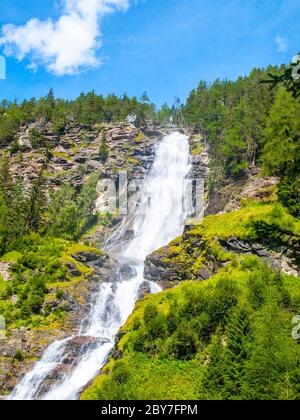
(73, 270)
(144, 289)
(81, 159)
(127, 272)
(4, 270)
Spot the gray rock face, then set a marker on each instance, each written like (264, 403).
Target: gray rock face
(76, 153)
(158, 271)
(231, 196)
(127, 272)
(145, 289)
(4, 270)
(73, 351)
(282, 259)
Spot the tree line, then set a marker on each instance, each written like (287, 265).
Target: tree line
(247, 123)
(87, 109)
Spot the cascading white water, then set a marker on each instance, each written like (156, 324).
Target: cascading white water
(159, 218)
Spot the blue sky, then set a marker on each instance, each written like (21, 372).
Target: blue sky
(163, 46)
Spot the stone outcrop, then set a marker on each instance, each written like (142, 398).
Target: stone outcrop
(4, 270)
(231, 197)
(75, 153)
(195, 257)
(281, 258)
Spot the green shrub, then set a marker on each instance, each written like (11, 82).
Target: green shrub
(289, 192)
(59, 294)
(36, 138)
(15, 147)
(226, 338)
(19, 356)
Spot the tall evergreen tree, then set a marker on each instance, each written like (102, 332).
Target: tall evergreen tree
(36, 202)
(103, 151)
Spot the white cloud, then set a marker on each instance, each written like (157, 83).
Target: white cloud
(67, 45)
(282, 44)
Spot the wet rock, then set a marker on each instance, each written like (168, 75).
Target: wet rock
(145, 289)
(88, 257)
(127, 272)
(161, 272)
(153, 133)
(73, 270)
(79, 345)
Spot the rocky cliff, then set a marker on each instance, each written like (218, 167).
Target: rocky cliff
(74, 153)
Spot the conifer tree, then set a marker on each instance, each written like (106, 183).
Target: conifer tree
(103, 151)
(36, 202)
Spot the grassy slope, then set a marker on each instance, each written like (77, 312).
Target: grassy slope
(225, 338)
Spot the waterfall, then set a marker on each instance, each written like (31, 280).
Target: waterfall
(159, 218)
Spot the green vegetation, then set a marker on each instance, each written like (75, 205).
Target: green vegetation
(232, 116)
(88, 109)
(103, 151)
(67, 214)
(246, 123)
(227, 338)
(30, 224)
(281, 153)
(38, 267)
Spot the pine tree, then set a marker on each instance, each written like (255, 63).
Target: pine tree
(6, 181)
(281, 154)
(103, 151)
(87, 199)
(236, 352)
(273, 353)
(282, 139)
(36, 202)
(12, 207)
(4, 214)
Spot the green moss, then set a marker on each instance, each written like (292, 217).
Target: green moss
(197, 150)
(139, 138)
(11, 257)
(75, 248)
(63, 155)
(240, 223)
(133, 161)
